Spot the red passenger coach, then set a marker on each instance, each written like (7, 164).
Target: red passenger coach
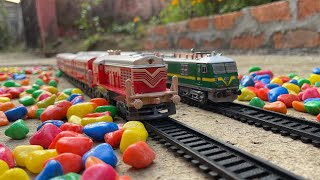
(65, 62)
(137, 83)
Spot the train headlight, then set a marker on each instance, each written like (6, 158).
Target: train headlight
(137, 104)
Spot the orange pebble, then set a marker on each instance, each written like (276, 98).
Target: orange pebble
(277, 106)
(318, 117)
(3, 77)
(298, 106)
(3, 119)
(99, 101)
(6, 106)
(25, 82)
(32, 112)
(91, 160)
(124, 178)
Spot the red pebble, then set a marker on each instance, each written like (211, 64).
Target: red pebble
(253, 89)
(6, 95)
(14, 93)
(262, 72)
(263, 94)
(71, 127)
(61, 135)
(114, 138)
(318, 117)
(58, 112)
(284, 78)
(45, 135)
(139, 155)
(259, 85)
(75, 145)
(100, 171)
(124, 178)
(69, 162)
(100, 101)
(240, 76)
(305, 86)
(310, 93)
(91, 160)
(6, 155)
(287, 99)
(43, 96)
(98, 114)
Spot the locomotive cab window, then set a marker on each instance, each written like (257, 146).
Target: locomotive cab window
(184, 70)
(204, 69)
(231, 67)
(218, 68)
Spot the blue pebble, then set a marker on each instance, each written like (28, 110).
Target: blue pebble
(311, 99)
(271, 86)
(57, 123)
(77, 100)
(260, 77)
(253, 74)
(72, 96)
(52, 169)
(247, 81)
(104, 152)
(275, 92)
(265, 81)
(18, 76)
(96, 131)
(316, 70)
(293, 81)
(16, 113)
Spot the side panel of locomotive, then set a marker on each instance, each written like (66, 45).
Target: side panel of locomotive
(211, 77)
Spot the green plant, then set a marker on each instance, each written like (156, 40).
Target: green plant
(5, 39)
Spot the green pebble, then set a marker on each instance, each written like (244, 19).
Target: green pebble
(39, 82)
(22, 72)
(317, 84)
(18, 130)
(68, 91)
(59, 73)
(256, 102)
(27, 100)
(254, 69)
(69, 176)
(30, 91)
(302, 81)
(109, 108)
(37, 93)
(312, 107)
(39, 112)
(17, 84)
(35, 86)
(292, 75)
(52, 83)
(9, 83)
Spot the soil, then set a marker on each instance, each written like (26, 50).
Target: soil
(295, 156)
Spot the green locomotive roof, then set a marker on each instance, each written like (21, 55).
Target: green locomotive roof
(217, 58)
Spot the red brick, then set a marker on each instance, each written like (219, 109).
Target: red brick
(226, 21)
(277, 11)
(297, 39)
(179, 27)
(308, 7)
(186, 43)
(211, 45)
(198, 24)
(162, 44)
(247, 41)
(160, 30)
(148, 45)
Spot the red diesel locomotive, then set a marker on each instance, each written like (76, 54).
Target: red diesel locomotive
(134, 83)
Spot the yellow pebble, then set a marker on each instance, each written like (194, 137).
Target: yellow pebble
(4, 99)
(52, 90)
(3, 167)
(62, 96)
(314, 78)
(246, 95)
(292, 92)
(292, 87)
(135, 124)
(75, 119)
(276, 80)
(131, 136)
(296, 78)
(86, 121)
(80, 110)
(15, 174)
(35, 159)
(77, 91)
(20, 153)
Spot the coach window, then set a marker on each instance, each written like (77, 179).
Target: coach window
(204, 69)
(184, 70)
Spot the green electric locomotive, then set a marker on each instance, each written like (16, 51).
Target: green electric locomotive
(204, 76)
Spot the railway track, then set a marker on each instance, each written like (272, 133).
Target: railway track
(306, 131)
(220, 160)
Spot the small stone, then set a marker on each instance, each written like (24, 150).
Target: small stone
(100, 171)
(72, 144)
(263, 72)
(247, 81)
(114, 138)
(139, 155)
(47, 102)
(52, 83)
(61, 135)
(20, 153)
(104, 152)
(51, 169)
(275, 92)
(312, 107)
(85, 121)
(77, 91)
(316, 70)
(302, 81)
(69, 176)
(287, 99)
(277, 106)
(7, 156)
(16, 113)
(3, 119)
(68, 161)
(57, 123)
(293, 81)
(310, 93)
(263, 94)
(256, 102)
(35, 159)
(45, 135)
(314, 78)
(96, 131)
(292, 87)
(27, 100)
(18, 130)
(254, 68)
(276, 80)
(15, 173)
(272, 86)
(292, 75)
(3, 167)
(246, 95)
(100, 101)
(91, 160)
(80, 110)
(106, 108)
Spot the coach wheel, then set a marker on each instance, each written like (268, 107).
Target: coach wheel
(203, 99)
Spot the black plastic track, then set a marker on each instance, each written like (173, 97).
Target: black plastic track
(220, 160)
(306, 131)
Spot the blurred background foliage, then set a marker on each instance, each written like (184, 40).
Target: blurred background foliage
(4, 34)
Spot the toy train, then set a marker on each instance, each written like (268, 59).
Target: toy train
(134, 83)
(203, 76)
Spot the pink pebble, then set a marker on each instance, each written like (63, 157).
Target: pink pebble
(259, 85)
(310, 93)
(263, 72)
(45, 135)
(305, 86)
(99, 171)
(7, 156)
(43, 96)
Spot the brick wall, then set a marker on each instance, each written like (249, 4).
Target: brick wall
(279, 25)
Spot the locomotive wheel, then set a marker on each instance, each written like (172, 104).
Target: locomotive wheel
(203, 100)
(121, 107)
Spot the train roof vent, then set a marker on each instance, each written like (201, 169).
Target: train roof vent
(114, 52)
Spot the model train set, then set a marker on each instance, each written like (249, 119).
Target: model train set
(137, 82)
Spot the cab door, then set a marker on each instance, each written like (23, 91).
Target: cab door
(102, 78)
(198, 75)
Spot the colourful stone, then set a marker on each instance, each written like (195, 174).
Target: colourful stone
(131, 136)
(100, 171)
(302, 81)
(100, 101)
(256, 102)
(263, 94)
(287, 99)
(69, 176)
(314, 78)
(263, 72)
(16, 113)
(14, 174)
(85, 121)
(104, 152)
(106, 108)
(20, 153)
(80, 110)
(292, 75)
(276, 106)
(72, 144)
(114, 138)
(96, 131)
(57, 123)
(37, 93)
(77, 91)
(276, 80)
(254, 69)
(51, 169)
(91, 160)
(72, 127)
(246, 95)
(47, 102)
(45, 135)
(139, 155)
(312, 107)
(52, 83)
(3, 119)
(39, 82)
(3, 167)
(292, 87)
(310, 93)
(275, 92)
(61, 135)
(62, 96)
(4, 99)
(27, 100)
(298, 106)
(68, 91)
(69, 162)
(247, 81)
(35, 159)
(75, 119)
(58, 111)
(17, 130)
(39, 111)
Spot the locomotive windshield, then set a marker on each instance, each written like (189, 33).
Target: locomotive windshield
(224, 68)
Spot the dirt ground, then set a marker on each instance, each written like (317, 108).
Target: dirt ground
(295, 156)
